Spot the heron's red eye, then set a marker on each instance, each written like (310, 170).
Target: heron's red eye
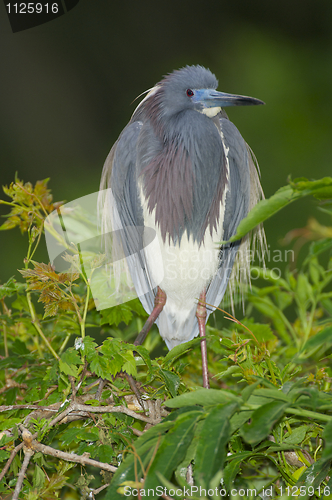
(190, 93)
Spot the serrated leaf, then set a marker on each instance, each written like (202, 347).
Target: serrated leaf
(69, 436)
(211, 448)
(130, 365)
(39, 477)
(105, 453)
(262, 421)
(87, 434)
(71, 357)
(68, 369)
(262, 332)
(87, 346)
(11, 287)
(116, 315)
(101, 367)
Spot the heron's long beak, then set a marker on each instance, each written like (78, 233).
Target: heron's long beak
(212, 98)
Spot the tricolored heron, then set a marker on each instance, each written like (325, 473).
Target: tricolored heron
(182, 168)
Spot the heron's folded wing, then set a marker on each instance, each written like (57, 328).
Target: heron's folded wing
(122, 212)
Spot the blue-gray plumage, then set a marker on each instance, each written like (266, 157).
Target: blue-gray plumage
(182, 168)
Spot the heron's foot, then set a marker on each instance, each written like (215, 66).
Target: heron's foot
(201, 318)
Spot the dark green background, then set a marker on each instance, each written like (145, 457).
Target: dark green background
(66, 90)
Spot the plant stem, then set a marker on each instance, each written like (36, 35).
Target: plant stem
(36, 324)
(269, 364)
(85, 310)
(310, 414)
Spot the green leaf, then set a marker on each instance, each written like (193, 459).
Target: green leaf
(69, 436)
(130, 364)
(105, 453)
(86, 345)
(262, 421)
(247, 391)
(180, 349)
(265, 209)
(240, 418)
(297, 435)
(131, 468)
(262, 396)
(324, 337)
(86, 434)
(11, 287)
(172, 450)
(144, 353)
(4, 455)
(20, 303)
(321, 189)
(20, 348)
(39, 477)
(327, 436)
(314, 475)
(71, 357)
(204, 397)
(101, 367)
(233, 468)
(262, 332)
(172, 381)
(213, 438)
(68, 369)
(115, 315)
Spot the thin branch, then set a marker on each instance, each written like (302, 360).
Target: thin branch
(10, 459)
(83, 411)
(71, 457)
(25, 407)
(114, 409)
(136, 431)
(27, 457)
(98, 490)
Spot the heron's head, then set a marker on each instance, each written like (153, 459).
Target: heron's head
(194, 87)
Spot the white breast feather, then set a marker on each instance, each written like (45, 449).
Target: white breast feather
(182, 271)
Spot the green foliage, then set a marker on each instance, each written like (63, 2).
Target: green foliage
(299, 188)
(266, 421)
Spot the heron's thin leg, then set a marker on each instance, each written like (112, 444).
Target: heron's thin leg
(159, 302)
(201, 318)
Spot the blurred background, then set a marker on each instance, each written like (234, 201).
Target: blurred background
(67, 89)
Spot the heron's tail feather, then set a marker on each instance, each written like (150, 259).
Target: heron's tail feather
(253, 245)
(176, 325)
